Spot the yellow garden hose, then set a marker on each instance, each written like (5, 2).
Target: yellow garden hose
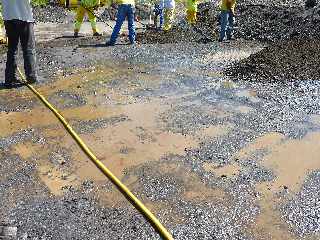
(123, 189)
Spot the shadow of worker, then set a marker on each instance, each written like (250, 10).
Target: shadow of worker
(4, 86)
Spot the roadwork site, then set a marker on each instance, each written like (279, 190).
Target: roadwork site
(219, 140)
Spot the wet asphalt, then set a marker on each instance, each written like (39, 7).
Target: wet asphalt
(191, 83)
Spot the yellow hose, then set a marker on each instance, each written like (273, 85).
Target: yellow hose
(123, 189)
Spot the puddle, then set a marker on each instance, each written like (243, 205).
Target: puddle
(36, 118)
(56, 180)
(141, 135)
(292, 160)
(264, 142)
(269, 223)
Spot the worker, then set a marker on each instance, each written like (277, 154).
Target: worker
(158, 12)
(227, 18)
(19, 21)
(126, 9)
(169, 7)
(87, 7)
(192, 9)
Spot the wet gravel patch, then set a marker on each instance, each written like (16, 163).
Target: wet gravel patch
(60, 156)
(226, 218)
(17, 103)
(64, 99)
(302, 212)
(157, 186)
(85, 127)
(188, 119)
(20, 137)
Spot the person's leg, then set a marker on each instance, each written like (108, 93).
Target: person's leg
(131, 25)
(29, 52)
(93, 21)
(168, 19)
(12, 32)
(161, 18)
(121, 16)
(189, 16)
(194, 16)
(223, 24)
(230, 25)
(78, 20)
(155, 20)
(172, 15)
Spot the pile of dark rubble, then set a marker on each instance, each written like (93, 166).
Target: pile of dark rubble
(295, 52)
(296, 59)
(268, 20)
(255, 20)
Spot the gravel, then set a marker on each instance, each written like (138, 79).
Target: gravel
(77, 217)
(303, 211)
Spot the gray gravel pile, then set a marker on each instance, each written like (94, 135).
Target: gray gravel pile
(303, 211)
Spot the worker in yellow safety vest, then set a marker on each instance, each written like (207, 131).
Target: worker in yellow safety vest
(192, 9)
(87, 6)
(227, 18)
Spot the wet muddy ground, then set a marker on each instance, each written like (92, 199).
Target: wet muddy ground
(213, 158)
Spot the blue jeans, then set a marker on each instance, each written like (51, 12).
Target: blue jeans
(158, 11)
(226, 21)
(124, 11)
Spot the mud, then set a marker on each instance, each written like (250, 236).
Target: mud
(208, 155)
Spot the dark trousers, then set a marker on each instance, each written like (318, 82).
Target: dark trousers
(20, 31)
